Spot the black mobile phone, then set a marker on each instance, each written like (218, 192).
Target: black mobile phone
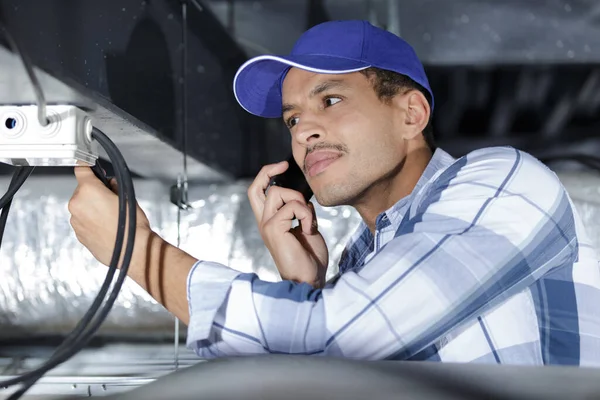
(293, 178)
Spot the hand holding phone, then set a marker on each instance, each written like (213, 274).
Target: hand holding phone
(293, 178)
(298, 250)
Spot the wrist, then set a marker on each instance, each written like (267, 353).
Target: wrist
(145, 238)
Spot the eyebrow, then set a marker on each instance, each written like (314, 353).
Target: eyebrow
(320, 88)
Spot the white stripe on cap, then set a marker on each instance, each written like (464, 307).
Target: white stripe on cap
(291, 64)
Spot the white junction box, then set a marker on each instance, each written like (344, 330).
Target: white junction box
(65, 141)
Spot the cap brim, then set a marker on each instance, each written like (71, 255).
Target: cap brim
(257, 83)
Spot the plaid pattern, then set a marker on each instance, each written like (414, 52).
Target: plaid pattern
(485, 261)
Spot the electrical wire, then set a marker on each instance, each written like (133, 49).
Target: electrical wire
(16, 183)
(85, 321)
(18, 178)
(81, 335)
(87, 326)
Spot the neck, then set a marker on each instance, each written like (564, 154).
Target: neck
(393, 187)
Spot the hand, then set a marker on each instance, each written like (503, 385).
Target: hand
(300, 253)
(94, 214)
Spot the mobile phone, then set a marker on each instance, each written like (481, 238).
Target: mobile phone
(293, 178)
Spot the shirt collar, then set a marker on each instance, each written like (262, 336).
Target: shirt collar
(361, 242)
(439, 160)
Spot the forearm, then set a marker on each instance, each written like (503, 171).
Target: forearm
(237, 314)
(162, 270)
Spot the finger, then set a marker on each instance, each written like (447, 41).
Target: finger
(277, 197)
(308, 222)
(291, 210)
(256, 191)
(84, 174)
(261, 182)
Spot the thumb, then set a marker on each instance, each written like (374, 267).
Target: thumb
(84, 174)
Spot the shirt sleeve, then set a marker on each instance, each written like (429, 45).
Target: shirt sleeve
(487, 227)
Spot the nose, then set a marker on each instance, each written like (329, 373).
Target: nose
(309, 131)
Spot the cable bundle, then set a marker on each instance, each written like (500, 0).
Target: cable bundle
(95, 316)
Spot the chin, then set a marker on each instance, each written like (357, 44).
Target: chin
(334, 195)
(335, 187)
(326, 202)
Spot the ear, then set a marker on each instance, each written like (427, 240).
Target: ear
(416, 115)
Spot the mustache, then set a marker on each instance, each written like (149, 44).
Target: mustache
(324, 146)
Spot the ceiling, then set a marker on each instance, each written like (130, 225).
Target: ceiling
(513, 72)
(510, 72)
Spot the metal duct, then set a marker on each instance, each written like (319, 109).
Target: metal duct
(122, 61)
(458, 32)
(49, 279)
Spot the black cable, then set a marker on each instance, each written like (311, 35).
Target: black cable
(12, 189)
(85, 329)
(17, 395)
(68, 349)
(18, 178)
(85, 321)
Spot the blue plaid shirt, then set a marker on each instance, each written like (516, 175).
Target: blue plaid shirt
(485, 261)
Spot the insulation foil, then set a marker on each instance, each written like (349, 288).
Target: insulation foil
(49, 279)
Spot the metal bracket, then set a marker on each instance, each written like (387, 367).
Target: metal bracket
(179, 194)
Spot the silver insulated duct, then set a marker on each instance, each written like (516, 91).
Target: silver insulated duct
(49, 279)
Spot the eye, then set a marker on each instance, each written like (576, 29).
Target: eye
(290, 122)
(331, 100)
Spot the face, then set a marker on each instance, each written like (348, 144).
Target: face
(345, 139)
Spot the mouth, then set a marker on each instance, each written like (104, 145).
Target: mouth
(317, 162)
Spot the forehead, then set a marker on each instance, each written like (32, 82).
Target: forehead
(301, 82)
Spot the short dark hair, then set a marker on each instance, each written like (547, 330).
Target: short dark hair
(388, 83)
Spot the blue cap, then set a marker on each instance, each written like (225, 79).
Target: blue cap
(335, 47)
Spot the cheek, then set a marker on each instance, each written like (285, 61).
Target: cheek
(350, 127)
(374, 145)
(364, 130)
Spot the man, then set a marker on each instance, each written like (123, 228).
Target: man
(476, 259)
